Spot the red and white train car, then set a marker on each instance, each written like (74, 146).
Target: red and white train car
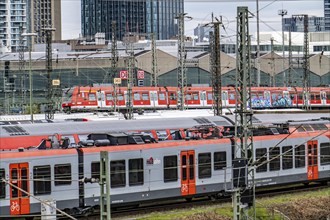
(108, 98)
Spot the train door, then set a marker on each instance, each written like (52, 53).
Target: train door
(202, 96)
(224, 98)
(188, 182)
(19, 179)
(313, 172)
(287, 99)
(100, 99)
(153, 99)
(323, 96)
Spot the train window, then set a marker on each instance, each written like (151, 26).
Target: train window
(231, 96)
(14, 178)
(299, 156)
(118, 173)
(161, 96)
(300, 96)
(95, 169)
(2, 184)
(287, 157)
(220, 160)
(261, 157)
(325, 153)
(204, 165)
(209, 96)
(188, 97)
(274, 159)
(135, 172)
(120, 97)
(191, 167)
(41, 180)
(170, 168)
(137, 96)
(91, 97)
(24, 181)
(184, 167)
(109, 97)
(62, 174)
(145, 96)
(195, 96)
(318, 97)
(172, 96)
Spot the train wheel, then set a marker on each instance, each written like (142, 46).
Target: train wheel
(189, 199)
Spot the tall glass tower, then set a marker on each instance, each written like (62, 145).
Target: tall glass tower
(142, 16)
(327, 14)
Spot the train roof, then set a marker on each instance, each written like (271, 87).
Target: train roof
(111, 126)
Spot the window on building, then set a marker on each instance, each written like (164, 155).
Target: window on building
(287, 157)
(95, 169)
(62, 174)
(299, 156)
(274, 159)
(118, 173)
(220, 160)
(42, 180)
(170, 168)
(136, 172)
(261, 157)
(325, 153)
(2, 184)
(204, 165)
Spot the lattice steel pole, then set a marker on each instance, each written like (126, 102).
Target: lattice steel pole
(154, 78)
(49, 114)
(243, 114)
(215, 65)
(182, 53)
(104, 186)
(21, 68)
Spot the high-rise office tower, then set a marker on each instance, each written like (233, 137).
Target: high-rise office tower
(315, 24)
(12, 22)
(142, 16)
(18, 16)
(327, 14)
(45, 14)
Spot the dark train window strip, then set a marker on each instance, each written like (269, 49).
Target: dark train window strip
(220, 160)
(287, 157)
(274, 159)
(325, 153)
(261, 156)
(2, 184)
(204, 165)
(118, 173)
(95, 169)
(62, 174)
(136, 172)
(41, 180)
(299, 156)
(170, 168)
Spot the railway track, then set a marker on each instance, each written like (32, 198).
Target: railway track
(133, 212)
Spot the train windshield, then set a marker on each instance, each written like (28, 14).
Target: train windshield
(67, 94)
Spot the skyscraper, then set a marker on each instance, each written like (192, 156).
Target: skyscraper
(142, 16)
(18, 16)
(327, 14)
(315, 24)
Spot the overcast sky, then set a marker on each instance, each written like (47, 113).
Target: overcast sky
(201, 10)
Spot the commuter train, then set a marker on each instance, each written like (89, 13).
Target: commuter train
(109, 98)
(146, 166)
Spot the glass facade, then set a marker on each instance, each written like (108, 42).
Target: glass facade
(142, 16)
(315, 24)
(327, 14)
